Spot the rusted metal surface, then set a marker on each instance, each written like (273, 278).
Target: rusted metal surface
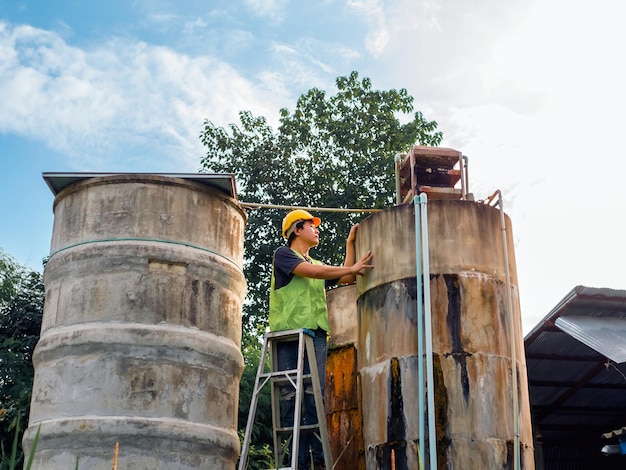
(341, 379)
(471, 340)
(431, 170)
(141, 332)
(343, 407)
(343, 416)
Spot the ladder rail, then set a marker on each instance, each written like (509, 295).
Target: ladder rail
(297, 412)
(275, 398)
(243, 459)
(319, 403)
(298, 379)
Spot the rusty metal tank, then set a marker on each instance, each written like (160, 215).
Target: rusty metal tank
(472, 363)
(141, 333)
(343, 407)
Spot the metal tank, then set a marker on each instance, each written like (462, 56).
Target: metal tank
(141, 333)
(473, 398)
(343, 408)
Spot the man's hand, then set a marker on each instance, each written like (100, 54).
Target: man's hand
(362, 264)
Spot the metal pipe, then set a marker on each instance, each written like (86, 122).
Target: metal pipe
(463, 181)
(490, 199)
(397, 163)
(430, 394)
(420, 332)
(466, 175)
(509, 307)
(255, 205)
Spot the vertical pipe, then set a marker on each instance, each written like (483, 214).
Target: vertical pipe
(432, 436)
(463, 180)
(397, 163)
(420, 330)
(465, 176)
(516, 439)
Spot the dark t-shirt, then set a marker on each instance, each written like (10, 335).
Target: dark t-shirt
(285, 261)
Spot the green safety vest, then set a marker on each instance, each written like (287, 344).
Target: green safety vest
(299, 304)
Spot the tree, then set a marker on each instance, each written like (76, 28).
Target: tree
(332, 151)
(21, 310)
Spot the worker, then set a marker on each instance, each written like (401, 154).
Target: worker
(298, 300)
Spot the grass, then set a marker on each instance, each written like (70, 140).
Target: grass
(13, 458)
(31, 454)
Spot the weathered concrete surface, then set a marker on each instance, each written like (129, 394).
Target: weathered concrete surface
(471, 339)
(149, 206)
(141, 332)
(387, 362)
(464, 236)
(343, 413)
(342, 315)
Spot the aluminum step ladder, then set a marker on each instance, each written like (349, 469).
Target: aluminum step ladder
(285, 436)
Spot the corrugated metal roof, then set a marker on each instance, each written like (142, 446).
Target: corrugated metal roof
(615, 433)
(57, 181)
(607, 335)
(578, 388)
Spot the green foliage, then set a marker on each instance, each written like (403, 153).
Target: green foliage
(12, 461)
(260, 456)
(31, 454)
(21, 309)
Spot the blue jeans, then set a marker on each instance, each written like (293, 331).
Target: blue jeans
(287, 358)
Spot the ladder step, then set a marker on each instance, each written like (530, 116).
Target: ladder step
(279, 373)
(286, 381)
(303, 427)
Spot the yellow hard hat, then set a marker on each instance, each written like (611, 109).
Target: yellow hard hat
(296, 216)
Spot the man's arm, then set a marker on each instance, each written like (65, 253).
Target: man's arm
(346, 273)
(350, 258)
(321, 271)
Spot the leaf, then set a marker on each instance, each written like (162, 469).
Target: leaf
(31, 454)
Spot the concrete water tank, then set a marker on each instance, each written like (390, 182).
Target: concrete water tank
(141, 333)
(474, 416)
(343, 407)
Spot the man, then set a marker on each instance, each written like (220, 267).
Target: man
(298, 300)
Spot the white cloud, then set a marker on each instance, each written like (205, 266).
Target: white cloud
(532, 92)
(190, 28)
(274, 10)
(120, 98)
(373, 11)
(311, 56)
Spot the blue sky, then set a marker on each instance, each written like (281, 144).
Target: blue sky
(531, 91)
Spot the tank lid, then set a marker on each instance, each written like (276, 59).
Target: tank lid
(224, 181)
